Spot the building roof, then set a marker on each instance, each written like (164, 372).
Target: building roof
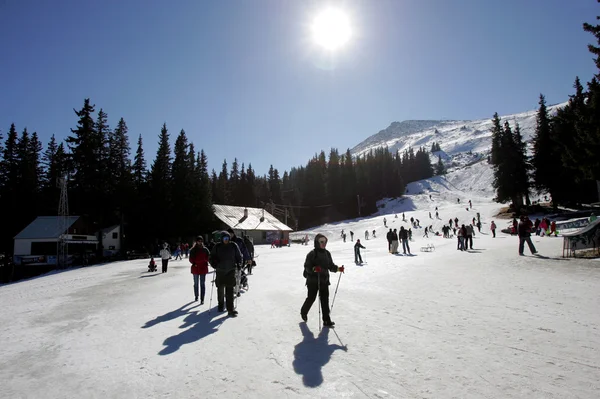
(233, 216)
(109, 229)
(45, 227)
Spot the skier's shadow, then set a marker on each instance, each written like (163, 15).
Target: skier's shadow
(170, 315)
(202, 325)
(311, 354)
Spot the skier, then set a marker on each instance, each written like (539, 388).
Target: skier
(479, 226)
(394, 242)
(317, 266)
(403, 217)
(352, 236)
(437, 215)
(458, 200)
(412, 221)
(374, 234)
(456, 222)
(430, 215)
(225, 258)
(470, 204)
(250, 248)
(165, 255)
(395, 216)
(366, 234)
(404, 239)
(389, 236)
(357, 247)
(410, 234)
(469, 237)
(450, 222)
(493, 228)
(199, 256)
(524, 231)
(344, 237)
(425, 235)
(384, 222)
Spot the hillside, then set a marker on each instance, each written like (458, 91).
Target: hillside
(462, 141)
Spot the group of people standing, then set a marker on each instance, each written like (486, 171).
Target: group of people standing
(394, 237)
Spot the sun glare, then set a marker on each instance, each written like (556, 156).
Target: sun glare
(331, 29)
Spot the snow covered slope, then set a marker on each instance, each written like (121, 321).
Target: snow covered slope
(461, 141)
(486, 323)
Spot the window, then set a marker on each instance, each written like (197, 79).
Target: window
(115, 236)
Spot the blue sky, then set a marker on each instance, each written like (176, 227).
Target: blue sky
(245, 79)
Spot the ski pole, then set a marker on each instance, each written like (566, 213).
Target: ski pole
(336, 288)
(212, 285)
(319, 289)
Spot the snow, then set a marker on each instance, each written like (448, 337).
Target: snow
(486, 323)
(462, 141)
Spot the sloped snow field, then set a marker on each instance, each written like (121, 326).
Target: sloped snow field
(486, 323)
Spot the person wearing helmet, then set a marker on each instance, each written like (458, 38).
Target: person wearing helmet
(317, 266)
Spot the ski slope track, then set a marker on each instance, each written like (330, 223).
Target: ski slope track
(486, 323)
(461, 141)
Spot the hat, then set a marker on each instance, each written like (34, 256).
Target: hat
(199, 238)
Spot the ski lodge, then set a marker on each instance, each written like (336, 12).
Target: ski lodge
(256, 223)
(38, 242)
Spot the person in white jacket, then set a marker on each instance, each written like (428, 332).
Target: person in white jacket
(165, 255)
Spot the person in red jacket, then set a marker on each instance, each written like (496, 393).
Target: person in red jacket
(199, 256)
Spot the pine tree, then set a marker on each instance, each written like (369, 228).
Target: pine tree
(440, 169)
(235, 184)
(160, 186)
(496, 140)
(140, 171)
(181, 178)
(521, 167)
(54, 160)
(223, 185)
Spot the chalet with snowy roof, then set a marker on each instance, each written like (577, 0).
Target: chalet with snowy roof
(256, 223)
(38, 242)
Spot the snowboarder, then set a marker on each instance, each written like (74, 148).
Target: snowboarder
(404, 239)
(165, 255)
(357, 247)
(493, 228)
(152, 265)
(317, 266)
(199, 256)
(524, 231)
(225, 258)
(352, 236)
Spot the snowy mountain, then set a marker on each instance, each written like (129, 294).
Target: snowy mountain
(462, 141)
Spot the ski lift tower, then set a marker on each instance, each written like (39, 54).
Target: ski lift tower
(62, 250)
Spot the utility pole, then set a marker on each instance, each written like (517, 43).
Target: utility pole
(62, 250)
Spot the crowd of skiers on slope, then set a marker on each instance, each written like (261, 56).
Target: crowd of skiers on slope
(231, 258)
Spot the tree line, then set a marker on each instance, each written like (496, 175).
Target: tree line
(565, 161)
(173, 197)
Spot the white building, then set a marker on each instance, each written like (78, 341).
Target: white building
(37, 243)
(111, 240)
(256, 223)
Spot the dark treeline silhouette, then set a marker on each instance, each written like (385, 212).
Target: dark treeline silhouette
(566, 147)
(172, 199)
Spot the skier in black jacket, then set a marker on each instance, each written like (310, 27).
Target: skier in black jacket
(317, 266)
(357, 248)
(225, 258)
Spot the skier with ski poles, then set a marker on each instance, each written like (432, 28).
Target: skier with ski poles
(225, 258)
(199, 256)
(357, 257)
(317, 266)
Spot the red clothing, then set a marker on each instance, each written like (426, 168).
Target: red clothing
(199, 259)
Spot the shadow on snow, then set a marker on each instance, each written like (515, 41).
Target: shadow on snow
(311, 354)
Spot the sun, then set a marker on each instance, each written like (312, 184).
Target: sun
(331, 29)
